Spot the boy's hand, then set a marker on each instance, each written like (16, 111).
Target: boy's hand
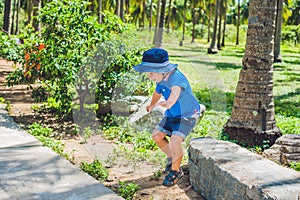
(149, 108)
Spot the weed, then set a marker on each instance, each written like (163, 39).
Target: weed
(37, 129)
(156, 175)
(127, 190)
(95, 169)
(295, 166)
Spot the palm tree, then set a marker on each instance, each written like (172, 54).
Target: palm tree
(18, 17)
(220, 24)
(169, 16)
(238, 23)
(161, 24)
(7, 11)
(277, 56)
(36, 8)
(184, 20)
(252, 120)
(157, 22)
(224, 23)
(213, 47)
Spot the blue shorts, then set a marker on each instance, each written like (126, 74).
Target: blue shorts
(176, 126)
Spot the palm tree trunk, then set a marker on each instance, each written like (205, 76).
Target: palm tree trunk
(194, 21)
(36, 8)
(157, 22)
(220, 24)
(169, 16)
(99, 14)
(161, 24)
(7, 11)
(122, 10)
(209, 21)
(238, 24)
(224, 24)
(252, 120)
(13, 17)
(213, 47)
(151, 13)
(29, 11)
(18, 17)
(277, 56)
(184, 20)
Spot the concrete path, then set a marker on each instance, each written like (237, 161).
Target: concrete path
(29, 171)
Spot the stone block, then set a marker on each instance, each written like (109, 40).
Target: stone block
(224, 170)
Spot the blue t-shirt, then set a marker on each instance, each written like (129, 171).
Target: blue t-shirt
(187, 104)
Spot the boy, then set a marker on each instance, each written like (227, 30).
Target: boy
(182, 108)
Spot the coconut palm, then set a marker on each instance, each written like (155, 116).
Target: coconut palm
(252, 120)
(277, 56)
(213, 47)
(6, 19)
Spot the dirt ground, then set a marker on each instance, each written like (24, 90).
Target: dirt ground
(141, 173)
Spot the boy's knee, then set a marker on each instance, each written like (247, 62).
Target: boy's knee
(157, 135)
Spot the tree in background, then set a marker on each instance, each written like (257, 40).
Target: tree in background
(6, 18)
(252, 120)
(213, 47)
(278, 25)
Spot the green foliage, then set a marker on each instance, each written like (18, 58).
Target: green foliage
(127, 190)
(290, 34)
(37, 129)
(295, 166)
(56, 146)
(9, 47)
(95, 169)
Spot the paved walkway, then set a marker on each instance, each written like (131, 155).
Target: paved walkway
(29, 171)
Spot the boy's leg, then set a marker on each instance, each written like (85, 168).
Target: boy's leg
(161, 141)
(176, 151)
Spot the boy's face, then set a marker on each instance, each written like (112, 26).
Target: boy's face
(155, 76)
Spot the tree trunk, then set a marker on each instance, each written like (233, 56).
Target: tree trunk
(224, 24)
(238, 24)
(122, 10)
(213, 49)
(99, 14)
(220, 24)
(252, 119)
(7, 11)
(169, 16)
(157, 22)
(151, 12)
(194, 19)
(184, 20)
(277, 56)
(18, 17)
(209, 22)
(29, 11)
(36, 8)
(161, 24)
(13, 17)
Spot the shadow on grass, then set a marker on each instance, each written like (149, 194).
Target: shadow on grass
(288, 107)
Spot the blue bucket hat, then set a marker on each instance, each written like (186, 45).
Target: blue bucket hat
(155, 60)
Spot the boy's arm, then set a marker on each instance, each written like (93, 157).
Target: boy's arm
(175, 93)
(155, 98)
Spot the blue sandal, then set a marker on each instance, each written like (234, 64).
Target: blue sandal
(173, 177)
